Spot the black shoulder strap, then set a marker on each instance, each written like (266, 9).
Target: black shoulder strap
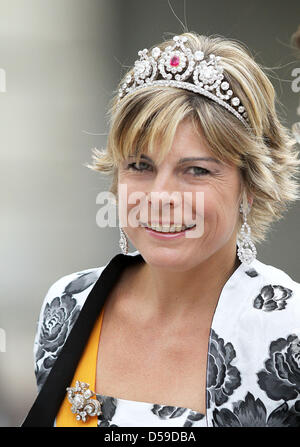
(46, 406)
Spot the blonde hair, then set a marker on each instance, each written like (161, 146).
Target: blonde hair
(267, 157)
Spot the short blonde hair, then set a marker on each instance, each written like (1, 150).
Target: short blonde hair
(267, 157)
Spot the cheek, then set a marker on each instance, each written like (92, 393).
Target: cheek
(221, 206)
(131, 202)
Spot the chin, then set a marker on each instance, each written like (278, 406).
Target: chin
(174, 259)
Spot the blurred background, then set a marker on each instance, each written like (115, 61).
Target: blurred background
(60, 60)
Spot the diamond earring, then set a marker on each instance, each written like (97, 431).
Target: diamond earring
(123, 242)
(246, 248)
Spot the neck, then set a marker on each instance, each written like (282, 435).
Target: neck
(167, 297)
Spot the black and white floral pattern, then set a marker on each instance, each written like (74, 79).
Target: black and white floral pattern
(222, 377)
(252, 412)
(251, 272)
(167, 412)
(58, 319)
(272, 298)
(110, 407)
(192, 418)
(253, 361)
(281, 377)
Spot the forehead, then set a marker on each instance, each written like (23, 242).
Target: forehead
(188, 142)
(167, 128)
(190, 139)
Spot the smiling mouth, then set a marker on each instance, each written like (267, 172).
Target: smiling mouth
(166, 230)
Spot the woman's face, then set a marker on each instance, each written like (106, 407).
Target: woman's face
(215, 210)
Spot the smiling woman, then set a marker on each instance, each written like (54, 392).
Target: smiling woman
(195, 331)
(147, 119)
(219, 183)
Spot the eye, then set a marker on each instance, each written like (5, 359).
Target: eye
(199, 171)
(139, 169)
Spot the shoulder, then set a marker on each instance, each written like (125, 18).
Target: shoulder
(59, 311)
(278, 290)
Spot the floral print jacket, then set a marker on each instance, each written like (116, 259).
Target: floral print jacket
(253, 362)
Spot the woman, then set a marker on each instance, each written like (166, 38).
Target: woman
(195, 331)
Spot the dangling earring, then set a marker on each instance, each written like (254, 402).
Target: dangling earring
(123, 242)
(246, 251)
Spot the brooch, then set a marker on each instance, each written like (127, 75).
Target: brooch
(82, 405)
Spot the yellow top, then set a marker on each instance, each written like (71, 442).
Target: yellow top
(85, 372)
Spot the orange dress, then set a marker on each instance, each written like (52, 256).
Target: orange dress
(85, 372)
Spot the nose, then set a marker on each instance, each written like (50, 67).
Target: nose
(163, 191)
(164, 181)
(164, 185)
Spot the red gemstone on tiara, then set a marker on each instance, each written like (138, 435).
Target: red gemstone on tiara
(174, 61)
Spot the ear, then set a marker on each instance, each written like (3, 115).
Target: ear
(250, 201)
(244, 196)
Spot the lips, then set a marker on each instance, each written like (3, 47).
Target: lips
(159, 231)
(163, 235)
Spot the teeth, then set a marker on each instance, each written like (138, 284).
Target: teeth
(168, 228)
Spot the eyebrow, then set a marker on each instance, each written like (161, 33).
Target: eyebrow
(186, 159)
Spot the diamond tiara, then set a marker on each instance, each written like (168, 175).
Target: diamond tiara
(175, 65)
